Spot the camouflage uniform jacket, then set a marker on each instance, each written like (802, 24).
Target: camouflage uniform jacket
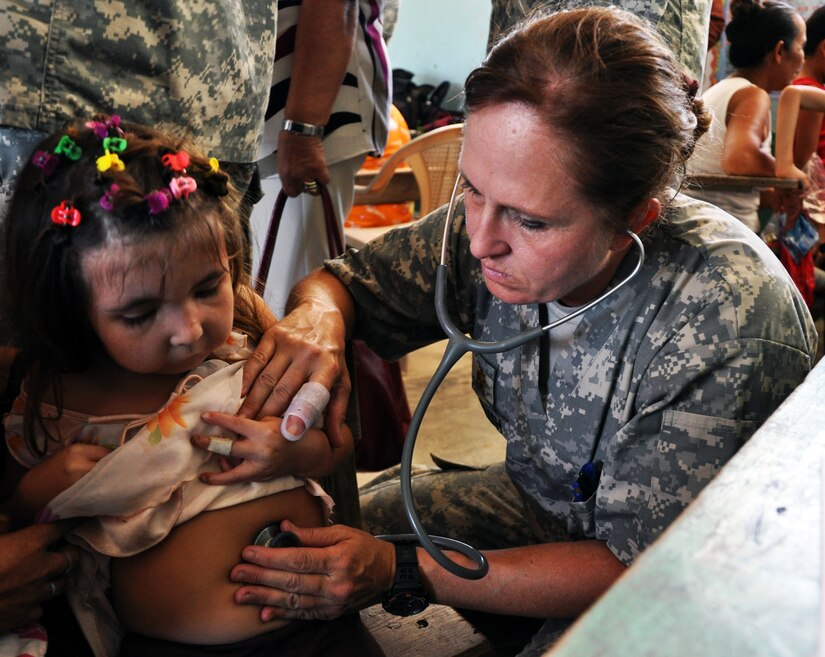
(183, 66)
(664, 382)
(682, 25)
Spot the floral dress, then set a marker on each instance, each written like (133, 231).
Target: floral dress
(125, 513)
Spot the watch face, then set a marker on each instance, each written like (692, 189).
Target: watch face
(405, 604)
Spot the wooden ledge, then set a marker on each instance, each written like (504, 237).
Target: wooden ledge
(401, 188)
(721, 182)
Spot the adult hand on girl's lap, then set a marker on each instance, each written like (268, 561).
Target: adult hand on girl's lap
(30, 573)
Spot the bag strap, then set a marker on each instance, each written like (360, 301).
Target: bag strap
(335, 241)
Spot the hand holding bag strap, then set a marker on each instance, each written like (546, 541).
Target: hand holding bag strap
(335, 241)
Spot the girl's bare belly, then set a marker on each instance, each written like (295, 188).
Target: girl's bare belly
(180, 589)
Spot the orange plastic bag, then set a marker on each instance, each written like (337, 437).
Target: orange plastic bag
(385, 214)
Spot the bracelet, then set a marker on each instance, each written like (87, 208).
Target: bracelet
(304, 129)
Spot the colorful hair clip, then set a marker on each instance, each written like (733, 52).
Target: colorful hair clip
(158, 201)
(102, 129)
(67, 147)
(176, 161)
(98, 128)
(45, 161)
(182, 186)
(110, 161)
(114, 144)
(107, 201)
(66, 214)
(214, 166)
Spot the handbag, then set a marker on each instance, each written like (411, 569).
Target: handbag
(793, 238)
(383, 410)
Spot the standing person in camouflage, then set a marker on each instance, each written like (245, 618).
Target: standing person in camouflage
(578, 129)
(682, 25)
(189, 67)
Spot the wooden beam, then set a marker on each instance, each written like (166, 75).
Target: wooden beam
(740, 183)
(401, 188)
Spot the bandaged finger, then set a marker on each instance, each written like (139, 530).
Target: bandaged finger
(219, 445)
(307, 406)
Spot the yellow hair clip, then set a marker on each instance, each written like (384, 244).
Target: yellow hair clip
(110, 161)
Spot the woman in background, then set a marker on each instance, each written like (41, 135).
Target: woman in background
(766, 41)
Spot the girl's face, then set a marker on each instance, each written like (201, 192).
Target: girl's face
(159, 315)
(536, 238)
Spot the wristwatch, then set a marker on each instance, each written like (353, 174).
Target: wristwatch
(305, 129)
(407, 595)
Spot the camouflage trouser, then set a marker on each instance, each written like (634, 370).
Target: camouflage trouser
(479, 506)
(16, 146)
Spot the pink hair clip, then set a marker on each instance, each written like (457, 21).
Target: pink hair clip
(66, 214)
(107, 201)
(182, 186)
(45, 161)
(102, 129)
(158, 201)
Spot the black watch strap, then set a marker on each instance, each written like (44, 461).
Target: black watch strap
(407, 595)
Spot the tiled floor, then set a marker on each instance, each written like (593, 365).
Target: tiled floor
(454, 427)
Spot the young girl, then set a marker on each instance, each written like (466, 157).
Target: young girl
(766, 41)
(125, 283)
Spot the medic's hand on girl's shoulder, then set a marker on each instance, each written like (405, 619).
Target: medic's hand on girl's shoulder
(45, 481)
(262, 453)
(336, 570)
(306, 345)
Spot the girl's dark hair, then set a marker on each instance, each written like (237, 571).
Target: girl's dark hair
(756, 26)
(45, 296)
(814, 31)
(604, 80)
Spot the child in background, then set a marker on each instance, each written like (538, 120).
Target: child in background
(126, 286)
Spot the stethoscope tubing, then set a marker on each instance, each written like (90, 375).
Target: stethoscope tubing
(459, 344)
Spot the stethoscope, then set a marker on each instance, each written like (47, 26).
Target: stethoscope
(459, 344)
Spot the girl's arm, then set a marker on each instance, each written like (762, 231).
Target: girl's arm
(44, 482)
(264, 453)
(793, 99)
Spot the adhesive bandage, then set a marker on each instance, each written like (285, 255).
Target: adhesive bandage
(307, 405)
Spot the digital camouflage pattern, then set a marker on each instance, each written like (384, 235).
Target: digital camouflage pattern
(183, 66)
(664, 381)
(682, 25)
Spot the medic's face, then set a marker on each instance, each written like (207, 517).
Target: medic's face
(536, 238)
